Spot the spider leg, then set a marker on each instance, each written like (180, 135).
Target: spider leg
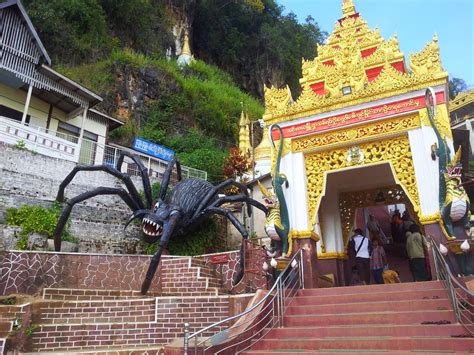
(239, 198)
(167, 176)
(84, 196)
(240, 227)
(168, 229)
(109, 170)
(143, 172)
(212, 193)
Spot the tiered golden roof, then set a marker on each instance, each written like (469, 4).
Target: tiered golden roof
(461, 100)
(341, 64)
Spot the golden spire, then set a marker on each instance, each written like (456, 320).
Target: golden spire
(186, 56)
(348, 8)
(186, 50)
(244, 137)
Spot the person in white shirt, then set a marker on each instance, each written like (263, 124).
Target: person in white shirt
(361, 247)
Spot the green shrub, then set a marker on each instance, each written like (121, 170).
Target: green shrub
(36, 219)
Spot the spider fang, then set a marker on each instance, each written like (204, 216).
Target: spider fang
(151, 228)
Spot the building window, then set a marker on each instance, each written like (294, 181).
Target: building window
(88, 145)
(13, 114)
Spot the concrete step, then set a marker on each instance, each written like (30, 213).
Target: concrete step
(405, 317)
(406, 286)
(369, 343)
(358, 307)
(370, 297)
(368, 330)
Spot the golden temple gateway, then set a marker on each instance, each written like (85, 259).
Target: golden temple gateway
(359, 127)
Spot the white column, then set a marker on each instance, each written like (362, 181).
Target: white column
(27, 104)
(426, 169)
(84, 115)
(293, 166)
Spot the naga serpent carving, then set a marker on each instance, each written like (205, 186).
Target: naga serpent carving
(457, 205)
(277, 223)
(453, 200)
(175, 213)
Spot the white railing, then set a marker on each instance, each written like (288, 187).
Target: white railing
(253, 324)
(64, 146)
(37, 140)
(461, 298)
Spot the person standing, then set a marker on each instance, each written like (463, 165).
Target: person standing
(361, 247)
(378, 260)
(416, 253)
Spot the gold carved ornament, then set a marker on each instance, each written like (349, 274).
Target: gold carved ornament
(343, 47)
(442, 121)
(395, 151)
(428, 60)
(340, 137)
(350, 201)
(276, 99)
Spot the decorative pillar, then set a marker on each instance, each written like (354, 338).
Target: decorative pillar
(84, 115)
(27, 104)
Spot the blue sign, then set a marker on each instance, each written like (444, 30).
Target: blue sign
(150, 148)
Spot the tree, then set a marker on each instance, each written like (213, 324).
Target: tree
(456, 85)
(237, 164)
(72, 31)
(254, 47)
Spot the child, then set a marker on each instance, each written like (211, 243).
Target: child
(377, 261)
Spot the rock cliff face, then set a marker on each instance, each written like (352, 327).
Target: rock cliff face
(135, 88)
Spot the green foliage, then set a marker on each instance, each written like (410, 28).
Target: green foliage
(73, 31)
(20, 145)
(97, 76)
(32, 327)
(200, 241)
(8, 301)
(257, 46)
(83, 31)
(36, 219)
(22, 242)
(456, 85)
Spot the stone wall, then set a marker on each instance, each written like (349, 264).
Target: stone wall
(28, 178)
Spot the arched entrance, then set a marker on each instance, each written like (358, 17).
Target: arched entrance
(383, 175)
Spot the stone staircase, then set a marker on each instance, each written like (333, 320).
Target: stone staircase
(85, 321)
(394, 318)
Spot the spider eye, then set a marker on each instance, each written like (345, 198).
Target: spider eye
(157, 205)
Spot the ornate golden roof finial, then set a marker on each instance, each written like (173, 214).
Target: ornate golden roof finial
(348, 8)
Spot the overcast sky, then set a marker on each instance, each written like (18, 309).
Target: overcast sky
(415, 22)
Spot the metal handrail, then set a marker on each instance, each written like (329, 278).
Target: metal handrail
(462, 299)
(242, 334)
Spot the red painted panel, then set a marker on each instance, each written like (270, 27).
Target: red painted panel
(372, 73)
(329, 62)
(400, 66)
(318, 88)
(219, 259)
(357, 116)
(366, 52)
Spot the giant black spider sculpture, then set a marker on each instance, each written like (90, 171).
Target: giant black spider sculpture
(184, 207)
